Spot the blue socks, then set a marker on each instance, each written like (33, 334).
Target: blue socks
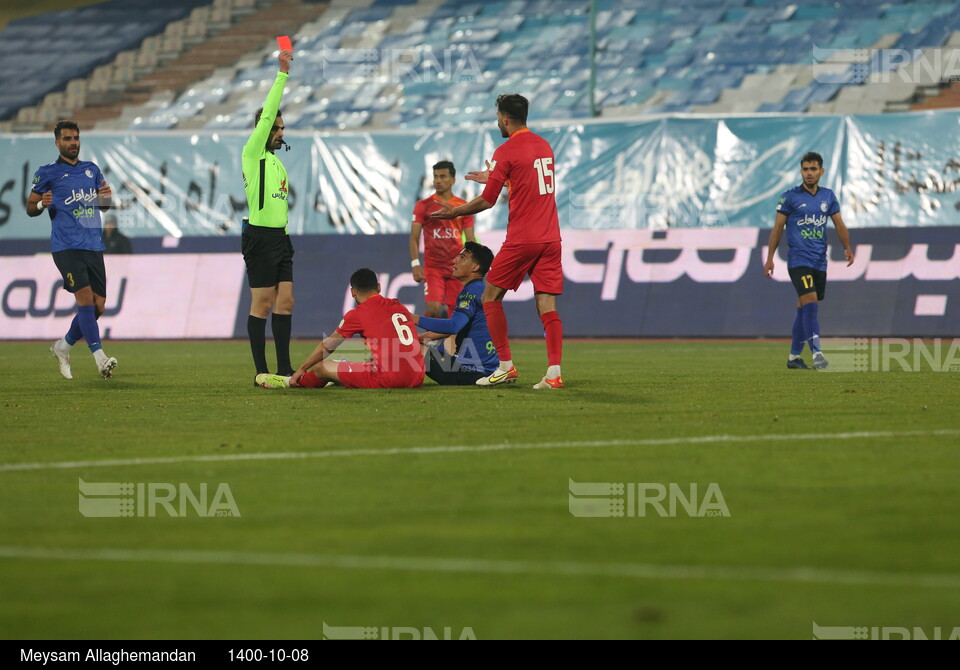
(74, 334)
(796, 347)
(86, 319)
(811, 325)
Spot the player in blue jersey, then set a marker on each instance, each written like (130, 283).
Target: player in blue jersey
(475, 356)
(804, 211)
(74, 192)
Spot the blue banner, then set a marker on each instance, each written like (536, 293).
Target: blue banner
(894, 170)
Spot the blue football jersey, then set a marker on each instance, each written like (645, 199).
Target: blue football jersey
(807, 218)
(74, 214)
(475, 350)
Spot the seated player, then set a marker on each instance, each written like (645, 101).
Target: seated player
(387, 327)
(475, 356)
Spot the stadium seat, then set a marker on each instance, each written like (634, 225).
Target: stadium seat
(729, 55)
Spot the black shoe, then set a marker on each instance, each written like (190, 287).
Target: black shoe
(797, 364)
(288, 373)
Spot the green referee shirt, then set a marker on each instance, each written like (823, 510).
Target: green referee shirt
(264, 177)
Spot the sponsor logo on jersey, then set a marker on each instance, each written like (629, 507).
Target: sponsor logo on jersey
(79, 195)
(809, 220)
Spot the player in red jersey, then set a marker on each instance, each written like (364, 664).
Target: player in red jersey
(389, 331)
(524, 164)
(442, 242)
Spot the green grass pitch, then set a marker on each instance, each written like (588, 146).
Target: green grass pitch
(450, 508)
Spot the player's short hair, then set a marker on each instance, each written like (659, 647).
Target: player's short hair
(364, 280)
(812, 157)
(72, 125)
(481, 255)
(514, 106)
(256, 119)
(446, 165)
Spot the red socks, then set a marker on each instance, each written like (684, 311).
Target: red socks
(309, 380)
(497, 324)
(553, 328)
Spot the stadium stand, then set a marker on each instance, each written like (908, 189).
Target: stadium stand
(76, 41)
(186, 45)
(414, 64)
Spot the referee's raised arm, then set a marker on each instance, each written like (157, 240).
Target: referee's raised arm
(262, 131)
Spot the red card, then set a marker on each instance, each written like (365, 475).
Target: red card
(284, 43)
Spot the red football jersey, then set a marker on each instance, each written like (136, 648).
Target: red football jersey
(442, 238)
(389, 331)
(525, 164)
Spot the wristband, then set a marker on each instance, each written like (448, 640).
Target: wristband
(415, 263)
(40, 206)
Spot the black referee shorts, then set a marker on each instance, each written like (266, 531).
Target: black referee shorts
(268, 254)
(80, 268)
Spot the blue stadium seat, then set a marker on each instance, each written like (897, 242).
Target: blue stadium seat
(107, 28)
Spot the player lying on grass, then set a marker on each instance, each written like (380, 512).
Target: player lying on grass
(475, 356)
(386, 326)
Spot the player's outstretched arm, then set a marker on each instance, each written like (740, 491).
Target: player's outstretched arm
(480, 177)
(774, 242)
(476, 205)
(844, 236)
(324, 349)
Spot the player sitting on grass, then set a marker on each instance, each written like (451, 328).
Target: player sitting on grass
(475, 356)
(387, 327)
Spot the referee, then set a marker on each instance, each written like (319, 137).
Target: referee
(266, 246)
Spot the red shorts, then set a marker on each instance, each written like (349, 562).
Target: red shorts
(540, 261)
(366, 375)
(439, 286)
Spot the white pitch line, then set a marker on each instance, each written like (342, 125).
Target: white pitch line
(705, 439)
(494, 566)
